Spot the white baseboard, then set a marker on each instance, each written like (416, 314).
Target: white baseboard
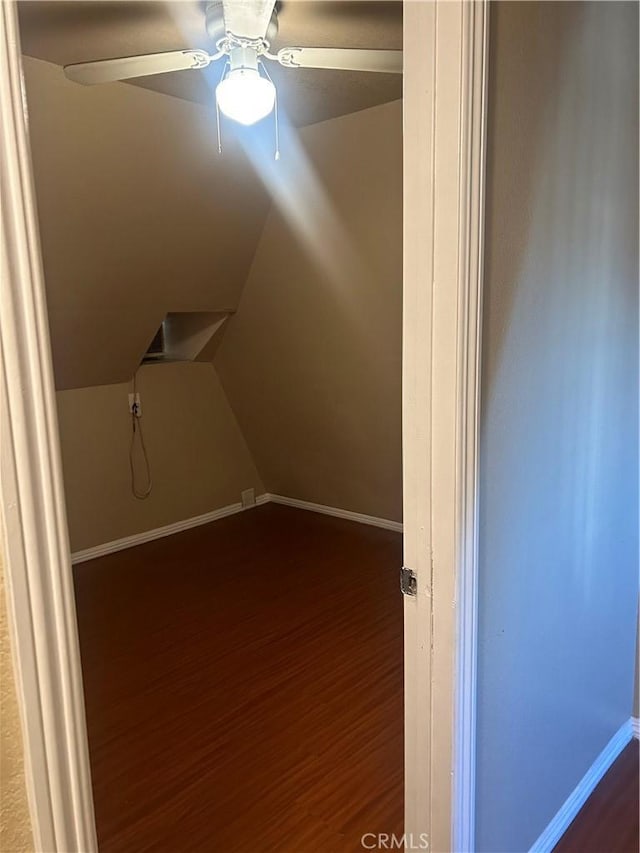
(347, 514)
(572, 805)
(635, 727)
(159, 532)
(207, 517)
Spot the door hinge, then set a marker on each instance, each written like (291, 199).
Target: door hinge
(408, 581)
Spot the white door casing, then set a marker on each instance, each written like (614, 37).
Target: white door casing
(445, 57)
(40, 601)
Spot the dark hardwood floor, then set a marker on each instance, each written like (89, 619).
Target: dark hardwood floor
(608, 821)
(243, 686)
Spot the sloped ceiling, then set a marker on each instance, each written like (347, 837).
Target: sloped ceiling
(83, 30)
(139, 215)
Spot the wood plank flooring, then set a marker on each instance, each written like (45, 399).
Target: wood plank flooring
(243, 686)
(608, 821)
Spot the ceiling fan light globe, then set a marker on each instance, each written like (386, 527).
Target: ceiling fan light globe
(245, 96)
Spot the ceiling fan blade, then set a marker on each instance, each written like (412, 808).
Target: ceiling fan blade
(342, 59)
(247, 18)
(110, 70)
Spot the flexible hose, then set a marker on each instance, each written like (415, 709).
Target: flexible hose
(136, 430)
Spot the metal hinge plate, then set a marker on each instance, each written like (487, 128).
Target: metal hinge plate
(408, 581)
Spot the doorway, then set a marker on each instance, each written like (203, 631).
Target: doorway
(273, 394)
(71, 822)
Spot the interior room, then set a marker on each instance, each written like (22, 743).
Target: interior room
(243, 668)
(339, 366)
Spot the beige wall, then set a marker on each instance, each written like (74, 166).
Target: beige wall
(198, 456)
(15, 822)
(139, 215)
(558, 541)
(312, 360)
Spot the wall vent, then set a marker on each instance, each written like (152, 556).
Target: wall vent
(187, 336)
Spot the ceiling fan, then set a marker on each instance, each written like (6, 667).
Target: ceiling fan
(242, 31)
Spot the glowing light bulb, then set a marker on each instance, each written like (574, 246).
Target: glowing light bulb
(245, 96)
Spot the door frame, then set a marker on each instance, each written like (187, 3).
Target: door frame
(445, 43)
(37, 562)
(445, 105)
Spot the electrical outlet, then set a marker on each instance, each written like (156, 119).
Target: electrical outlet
(248, 498)
(135, 406)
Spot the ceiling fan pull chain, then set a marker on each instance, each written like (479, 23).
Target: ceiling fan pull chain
(277, 154)
(275, 110)
(224, 71)
(218, 127)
